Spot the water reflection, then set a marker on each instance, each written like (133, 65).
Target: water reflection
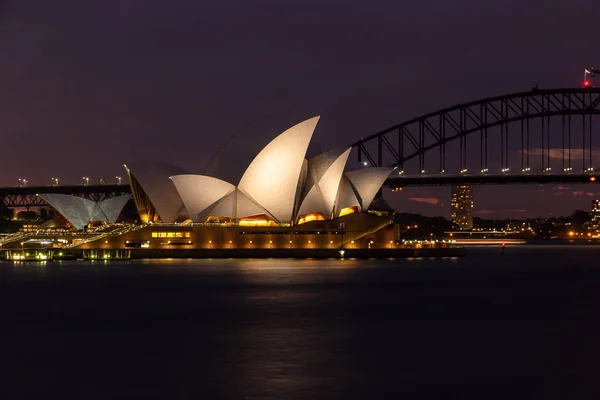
(296, 329)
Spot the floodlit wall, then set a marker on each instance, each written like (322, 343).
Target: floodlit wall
(361, 230)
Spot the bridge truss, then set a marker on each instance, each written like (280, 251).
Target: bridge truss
(550, 126)
(27, 196)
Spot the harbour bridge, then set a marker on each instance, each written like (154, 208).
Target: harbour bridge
(539, 136)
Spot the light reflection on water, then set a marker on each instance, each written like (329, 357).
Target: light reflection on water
(285, 328)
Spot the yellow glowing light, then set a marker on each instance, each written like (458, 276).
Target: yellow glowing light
(347, 210)
(310, 217)
(571, 233)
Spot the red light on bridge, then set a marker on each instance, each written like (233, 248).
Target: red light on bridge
(586, 84)
(592, 178)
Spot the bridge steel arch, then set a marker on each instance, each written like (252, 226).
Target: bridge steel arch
(413, 138)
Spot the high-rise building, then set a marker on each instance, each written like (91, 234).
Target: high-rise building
(594, 222)
(462, 207)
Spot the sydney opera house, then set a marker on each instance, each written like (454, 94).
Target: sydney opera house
(268, 197)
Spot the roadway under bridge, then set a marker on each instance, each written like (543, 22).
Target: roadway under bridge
(440, 180)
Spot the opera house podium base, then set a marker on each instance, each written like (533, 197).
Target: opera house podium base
(359, 235)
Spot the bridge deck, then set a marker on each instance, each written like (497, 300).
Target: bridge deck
(442, 179)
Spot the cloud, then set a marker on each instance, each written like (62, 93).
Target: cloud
(559, 187)
(557, 153)
(591, 194)
(507, 211)
(577, 192)
(429, 200)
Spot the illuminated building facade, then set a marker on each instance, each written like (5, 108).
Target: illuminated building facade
(594, 222)
(462, 207)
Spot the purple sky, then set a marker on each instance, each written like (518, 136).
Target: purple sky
(87, 86)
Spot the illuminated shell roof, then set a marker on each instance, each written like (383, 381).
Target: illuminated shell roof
(113, 207)
(323, 182)
(79, 211)
(199, 192)
(234, 205)
(366, 183)
(271, 180)
(154, 179)
(278, 182)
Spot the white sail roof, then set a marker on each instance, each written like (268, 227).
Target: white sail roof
(225, 207)
(232, 160)
(79, 211)
(112, 207)
(347, 197)
(324, 175)
(154, 179)
(366, 182)
(235, 205)
(271, 180)
(198, 192)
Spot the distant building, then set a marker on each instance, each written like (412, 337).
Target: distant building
(594, 222)
(462, 207)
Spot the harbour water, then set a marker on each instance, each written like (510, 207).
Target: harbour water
(518, 323)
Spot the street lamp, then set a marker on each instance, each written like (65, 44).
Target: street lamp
(22, 182)
(86, 180)
(55, 181)
(119, 179)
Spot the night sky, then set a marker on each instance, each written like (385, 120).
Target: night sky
(86, 86)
